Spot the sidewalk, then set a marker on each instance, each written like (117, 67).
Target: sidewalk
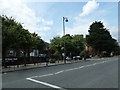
(37, 65)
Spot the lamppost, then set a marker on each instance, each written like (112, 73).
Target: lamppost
(64, 20)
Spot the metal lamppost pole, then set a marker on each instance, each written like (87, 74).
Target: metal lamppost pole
(64, 20)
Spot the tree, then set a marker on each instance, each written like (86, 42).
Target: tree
(78, 43)
(10, 33)
(116, 49)
(56, 44)
(37, 42)
(15, 37)
(67, 44)
(72, 45)
(99, 38)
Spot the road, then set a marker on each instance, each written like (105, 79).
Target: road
(86, 74)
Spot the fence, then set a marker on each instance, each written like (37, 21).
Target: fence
(8, 61)
(12, 63)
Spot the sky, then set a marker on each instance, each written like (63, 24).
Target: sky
(46, 18)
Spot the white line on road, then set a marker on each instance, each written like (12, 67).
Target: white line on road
(42, 75)
(57, 87)
(68, 70)
(59, 72)
(73, 69)
(47, 84)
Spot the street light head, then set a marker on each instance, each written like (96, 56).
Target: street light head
(66, 20)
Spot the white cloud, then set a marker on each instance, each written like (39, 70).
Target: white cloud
(23, 14)
(45, 21)
(45, 28)
(89, 7)
(83, 29)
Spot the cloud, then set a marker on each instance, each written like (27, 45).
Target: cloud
(89, 7)
(23, 14)
(83, 29)
(45, 28)
(45, 21)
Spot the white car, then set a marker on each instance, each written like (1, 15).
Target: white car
(77, 58)
(68, 58)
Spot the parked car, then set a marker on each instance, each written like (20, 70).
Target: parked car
(52, 60)
(68, 58)
(77, 58)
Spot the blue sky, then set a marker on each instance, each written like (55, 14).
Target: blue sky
(45, 18)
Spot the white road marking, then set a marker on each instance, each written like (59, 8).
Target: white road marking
(70, 69)
(81, 67)
(89, 65)
(104, 61)
(94, 64)
(73, 69)
(42, 75)
(44, 83)
(67, 70)
(59, 72)
(54, 86)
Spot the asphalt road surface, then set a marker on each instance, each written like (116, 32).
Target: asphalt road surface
(86, 74)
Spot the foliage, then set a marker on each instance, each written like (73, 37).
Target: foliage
(72, 45)
(79, 43)
(57, 55)
(99, 38)
(14, 36)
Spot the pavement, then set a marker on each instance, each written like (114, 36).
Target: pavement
(38, 65)
(97, 73)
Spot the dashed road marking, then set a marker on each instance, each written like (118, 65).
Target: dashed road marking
(59, 72)
(68, 70)
(42, 75)
(54, 86)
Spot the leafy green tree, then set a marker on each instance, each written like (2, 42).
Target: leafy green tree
(99, 38)
(15, 37)
(57, 55)
(78, 43)
(116, 50)
(37, 42)
(56, 45)
(10, 33)
(72, 45)
(67, 44)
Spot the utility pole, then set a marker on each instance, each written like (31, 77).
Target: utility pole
(64, 20)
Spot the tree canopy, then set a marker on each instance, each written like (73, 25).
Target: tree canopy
(16, 37)
(73, 45)
(99, 38)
